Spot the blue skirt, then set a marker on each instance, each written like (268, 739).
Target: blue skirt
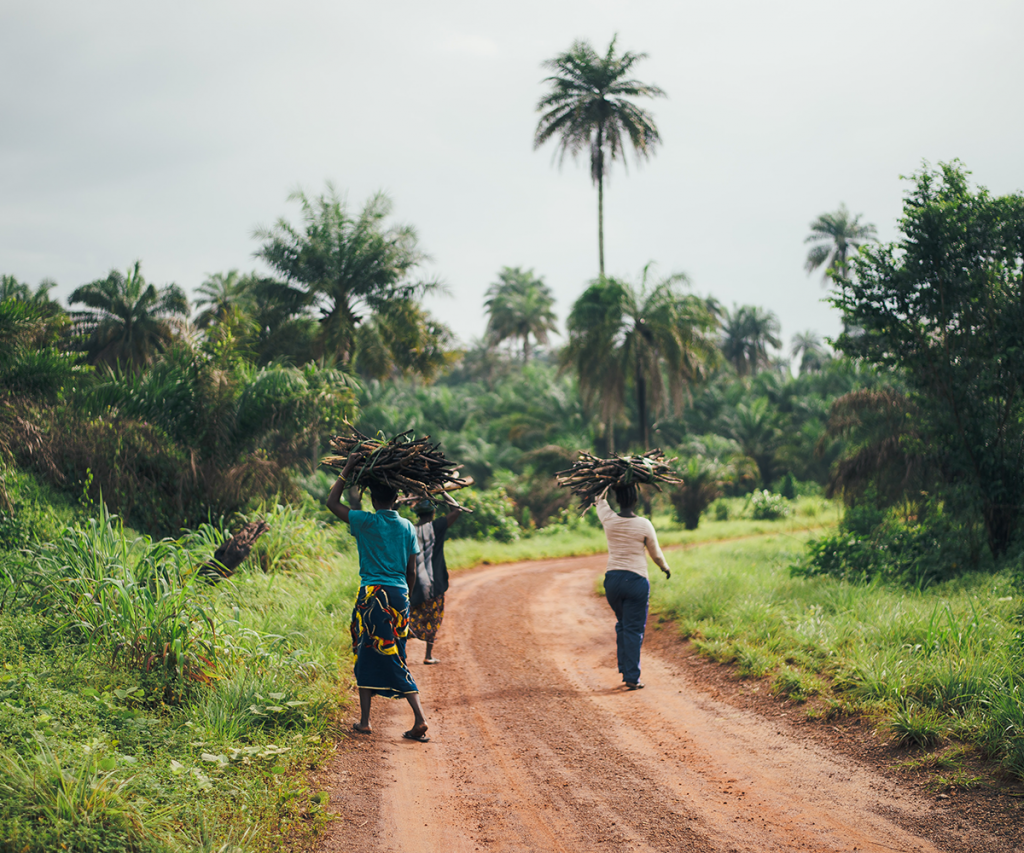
(380, 624)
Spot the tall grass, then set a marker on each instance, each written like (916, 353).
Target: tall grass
(97, 754)
(49, 804)
(945, 662)
(135, 598)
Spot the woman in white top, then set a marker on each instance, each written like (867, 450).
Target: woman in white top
(626, 584)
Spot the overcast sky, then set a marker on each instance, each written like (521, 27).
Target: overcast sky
(167, 132)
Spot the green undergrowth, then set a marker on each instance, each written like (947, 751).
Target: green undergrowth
(577, 536)
(142, 709)
(940, 666)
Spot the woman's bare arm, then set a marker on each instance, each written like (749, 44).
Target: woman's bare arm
(334, 503)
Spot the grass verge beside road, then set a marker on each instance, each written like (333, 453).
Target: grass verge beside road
(143, 710)
(939, 666)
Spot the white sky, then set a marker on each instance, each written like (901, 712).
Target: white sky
(167, 132)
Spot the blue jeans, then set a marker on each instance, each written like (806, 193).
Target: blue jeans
(628, 593)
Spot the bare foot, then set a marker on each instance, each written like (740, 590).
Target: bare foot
(358, 728)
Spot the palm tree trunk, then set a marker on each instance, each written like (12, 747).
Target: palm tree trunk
(526, 348)
(611, 435)
(600, 223)
(597, 170)
(641, 405)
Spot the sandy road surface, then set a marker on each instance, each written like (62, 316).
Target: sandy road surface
(536, 747)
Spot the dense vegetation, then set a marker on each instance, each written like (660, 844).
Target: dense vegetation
(134, 440)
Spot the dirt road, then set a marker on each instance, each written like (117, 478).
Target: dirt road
(536, 747)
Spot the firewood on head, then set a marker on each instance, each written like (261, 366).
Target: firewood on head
(590, 476)
(412, 466)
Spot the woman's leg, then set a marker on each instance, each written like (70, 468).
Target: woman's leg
(365, 696)
(613, 591)
(419, 725)
(634, 591)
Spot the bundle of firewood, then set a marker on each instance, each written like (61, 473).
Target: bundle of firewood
(410, 465)
(589, 475)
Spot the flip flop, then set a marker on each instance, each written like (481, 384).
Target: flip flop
(422, 738)
(431, 660)
(359, 731)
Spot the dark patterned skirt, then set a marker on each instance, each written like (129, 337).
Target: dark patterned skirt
(379, 627)
(425, 619)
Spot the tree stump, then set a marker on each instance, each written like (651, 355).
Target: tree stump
(232, 553)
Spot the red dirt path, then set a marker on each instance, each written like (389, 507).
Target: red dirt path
(536, 747)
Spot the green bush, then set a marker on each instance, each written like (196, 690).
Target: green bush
(917, 552)
(492, 516)
(765, 506)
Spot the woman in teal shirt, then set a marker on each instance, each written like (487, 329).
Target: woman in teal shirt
(380, 620)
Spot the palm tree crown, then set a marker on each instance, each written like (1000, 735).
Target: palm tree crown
(655, 339)
(812, 349)
(746, 335)
(354, 268)
(588, 109)
(221, 293)
(130, 320)
(519, 305)
(833, 235)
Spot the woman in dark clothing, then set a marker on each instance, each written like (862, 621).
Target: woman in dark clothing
(426, 597)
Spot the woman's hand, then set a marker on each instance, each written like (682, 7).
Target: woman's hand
(668, 574)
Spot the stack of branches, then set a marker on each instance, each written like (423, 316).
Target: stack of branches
(411, 465)
(590, 476)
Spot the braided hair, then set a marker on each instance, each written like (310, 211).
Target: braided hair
(627, 496)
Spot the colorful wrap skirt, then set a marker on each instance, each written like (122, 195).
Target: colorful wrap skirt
(380, 624)
(425, 619)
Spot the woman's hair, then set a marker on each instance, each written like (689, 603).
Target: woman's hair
(382, 493)
(626, 496)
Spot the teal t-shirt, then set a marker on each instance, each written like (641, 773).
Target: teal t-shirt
(385, 541)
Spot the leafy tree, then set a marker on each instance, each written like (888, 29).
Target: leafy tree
(944, 307)
(131, 320)
(832, 236)
(757, 426)
(519, 306)
(653, 339)
(352, 268)
(589, 109)
(403, 339)
(32, 364)
(747, 333)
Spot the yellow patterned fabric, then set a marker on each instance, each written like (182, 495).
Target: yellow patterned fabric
(425, 619)
(379, 626)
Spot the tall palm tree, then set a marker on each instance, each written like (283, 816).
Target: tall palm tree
(833, 235)
(655, 339)
(519, 305)
(747, 332)
(130, 320)
(588, 108)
